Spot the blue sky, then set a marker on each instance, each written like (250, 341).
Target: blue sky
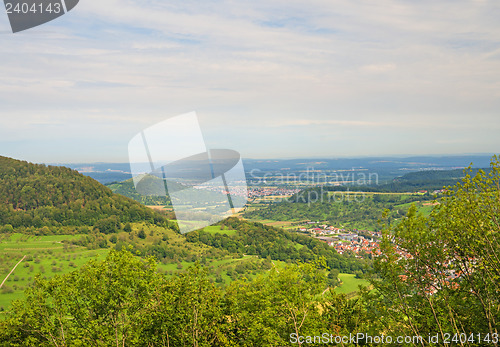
(271, 79)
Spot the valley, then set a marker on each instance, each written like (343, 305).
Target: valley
(323, 251)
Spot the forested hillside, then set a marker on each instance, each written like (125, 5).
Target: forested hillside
(39, 202)
(436, 283)
(276, 244)
(148, 196)
(362, 214)
(38, 195)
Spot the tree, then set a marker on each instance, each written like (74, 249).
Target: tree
(267, 310)
(113, 239)
(7, 228)
(127, 228)
(100, 304)
(442, 273)
(108, 225)
(119, 301)
(141, 234)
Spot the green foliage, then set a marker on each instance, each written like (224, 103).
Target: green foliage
(127, 228)
(278, 244)
(108, 225)
(38, 195)
(113, 239)
(355, 211)
(441, 274)
(264, 312)
(343, 316)
(125, 301)
(437, 274)
(148, 187)
(7, 228)
(141, 234)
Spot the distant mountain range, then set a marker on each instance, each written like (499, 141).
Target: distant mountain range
(387, 168)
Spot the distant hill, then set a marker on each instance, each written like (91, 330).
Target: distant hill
(148, 183)
(34, 196)
(38, 195)
(108, 177)
(104, 173)
(428, 180)
(150, 187)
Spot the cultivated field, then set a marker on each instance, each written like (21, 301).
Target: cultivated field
(45, 255)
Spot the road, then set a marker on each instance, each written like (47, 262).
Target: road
(10, 273)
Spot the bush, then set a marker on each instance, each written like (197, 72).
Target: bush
(127, 228)
(141, 234)
(7, 290)
(113, 239)
(108, 225)
(7, 228)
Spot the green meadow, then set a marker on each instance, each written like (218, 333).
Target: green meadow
(45, 255)
(350, 284)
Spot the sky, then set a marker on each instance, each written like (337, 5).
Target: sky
(270, 79)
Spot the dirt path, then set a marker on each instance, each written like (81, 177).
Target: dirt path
(10, 273)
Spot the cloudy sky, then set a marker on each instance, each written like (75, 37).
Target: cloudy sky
(271, 79)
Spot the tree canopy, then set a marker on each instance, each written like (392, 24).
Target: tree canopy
(38, 195)
(441, 274)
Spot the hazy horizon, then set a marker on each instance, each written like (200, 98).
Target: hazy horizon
(281, 79)
(402, 156)
(395, 156)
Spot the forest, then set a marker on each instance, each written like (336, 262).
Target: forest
(277, 244)
(435, 283)
(35, 195)
(360, 212)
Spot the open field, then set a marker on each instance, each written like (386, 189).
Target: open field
(54, 255)
(213, 229)
(372, 193)
(160, 207)
(275, 223)
(350, 284)
(45, 255)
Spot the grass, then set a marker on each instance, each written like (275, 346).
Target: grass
(424, 209)
(193, 225)
(219, 266)
(50, 256)
(174, 266)
(46, 261)
(213, 229)
(350, 284)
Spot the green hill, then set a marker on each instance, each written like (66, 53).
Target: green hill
(35, 195)
(147, 186)
(54, 220)
(150, 191)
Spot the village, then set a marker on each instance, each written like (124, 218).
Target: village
(360, 242)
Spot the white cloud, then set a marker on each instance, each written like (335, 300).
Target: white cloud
(123, 65)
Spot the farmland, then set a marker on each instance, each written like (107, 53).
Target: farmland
(50, 255)
(45, 255)
(350, 284)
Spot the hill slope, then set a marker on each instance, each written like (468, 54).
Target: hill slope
(38, 195)
(148, 185)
